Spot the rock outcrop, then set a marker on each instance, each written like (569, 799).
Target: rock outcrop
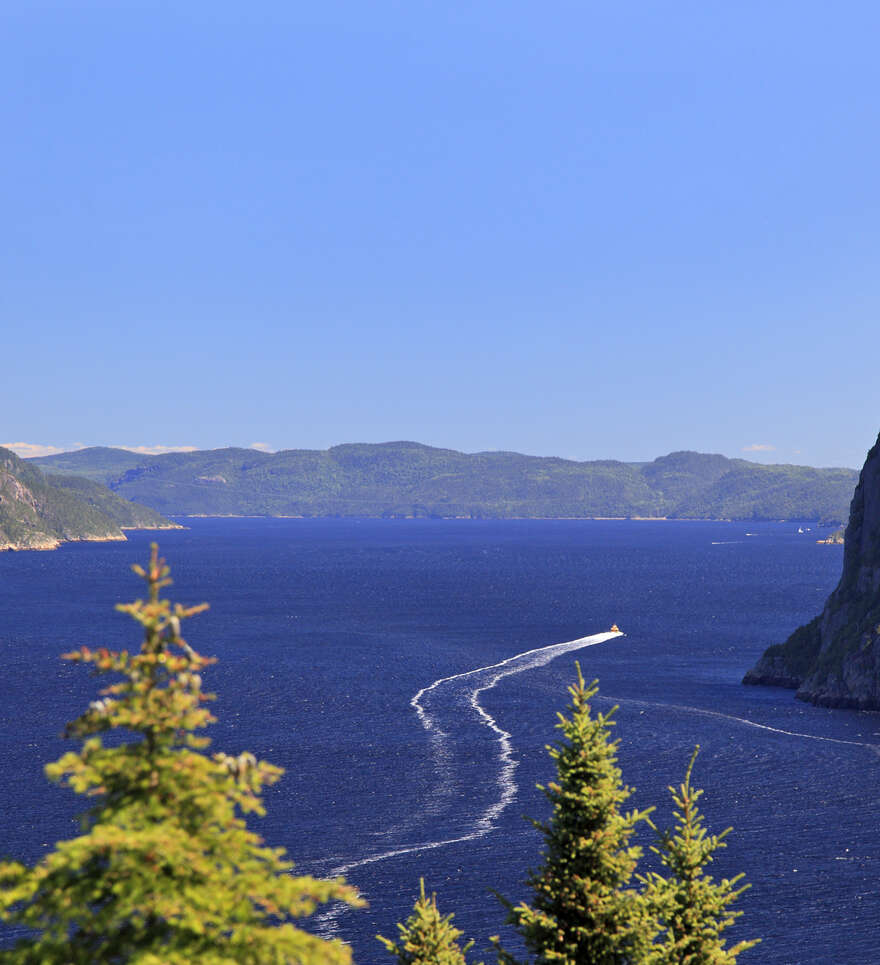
(834, 660)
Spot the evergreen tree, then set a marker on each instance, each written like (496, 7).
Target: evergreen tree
(583, 912)
(427, 938)
(693, 908)
(166, 870)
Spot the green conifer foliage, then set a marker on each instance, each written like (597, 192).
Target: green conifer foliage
(583, 912)
(166, 870)
(693, 908)
(427, 938)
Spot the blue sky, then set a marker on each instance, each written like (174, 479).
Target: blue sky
(594, 231)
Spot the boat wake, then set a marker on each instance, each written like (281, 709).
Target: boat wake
(457, 698)
(703, 712)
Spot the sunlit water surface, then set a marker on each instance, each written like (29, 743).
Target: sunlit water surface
(399, 670)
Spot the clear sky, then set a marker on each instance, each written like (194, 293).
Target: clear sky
(563, 228)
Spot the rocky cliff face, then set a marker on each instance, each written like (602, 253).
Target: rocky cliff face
(835, 659)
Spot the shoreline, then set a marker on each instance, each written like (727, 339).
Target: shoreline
(148, 529)
(586, 519)
(52, 543)
(47, 542)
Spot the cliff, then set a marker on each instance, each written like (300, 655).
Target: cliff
(834, 660)
(36, 514)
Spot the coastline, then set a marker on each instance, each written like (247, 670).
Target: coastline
(157, 527)
(604, 519)
(46, 543)
(52, 542)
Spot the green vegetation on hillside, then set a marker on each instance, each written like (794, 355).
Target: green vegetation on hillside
(123, 512)
(33, 513)
(37, 512)
(409, 479)
(100, 463)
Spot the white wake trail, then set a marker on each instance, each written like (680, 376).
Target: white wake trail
(736, 720)
(461, 692)
(475, 683)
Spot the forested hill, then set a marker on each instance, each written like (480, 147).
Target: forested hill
(39, 512)
(410, 479)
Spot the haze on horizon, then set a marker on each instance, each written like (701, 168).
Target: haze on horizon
(591, 233)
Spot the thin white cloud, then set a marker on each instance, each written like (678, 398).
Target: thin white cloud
(759, 447)
(156, 450)
(262, 446)
(28, 450)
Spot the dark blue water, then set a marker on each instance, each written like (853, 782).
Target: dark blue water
(326, 629)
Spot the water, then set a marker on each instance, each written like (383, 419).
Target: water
(400, 671)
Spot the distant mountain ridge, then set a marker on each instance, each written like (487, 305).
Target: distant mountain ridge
(411, 479)
(39, 512)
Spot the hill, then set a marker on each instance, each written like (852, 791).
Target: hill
(834, 660)
(38, 513)
(99, 463)
(123, 512)
(410, 479)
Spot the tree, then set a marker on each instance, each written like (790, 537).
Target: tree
(427, 938)
(166, 870)
(583, 912)
(693, 908)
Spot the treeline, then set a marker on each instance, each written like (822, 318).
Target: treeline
(409, 479)
(167, 871)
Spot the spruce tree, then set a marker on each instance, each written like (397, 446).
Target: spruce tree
(583, 911)
(427, 937)
(693, 908)
(166, 870)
